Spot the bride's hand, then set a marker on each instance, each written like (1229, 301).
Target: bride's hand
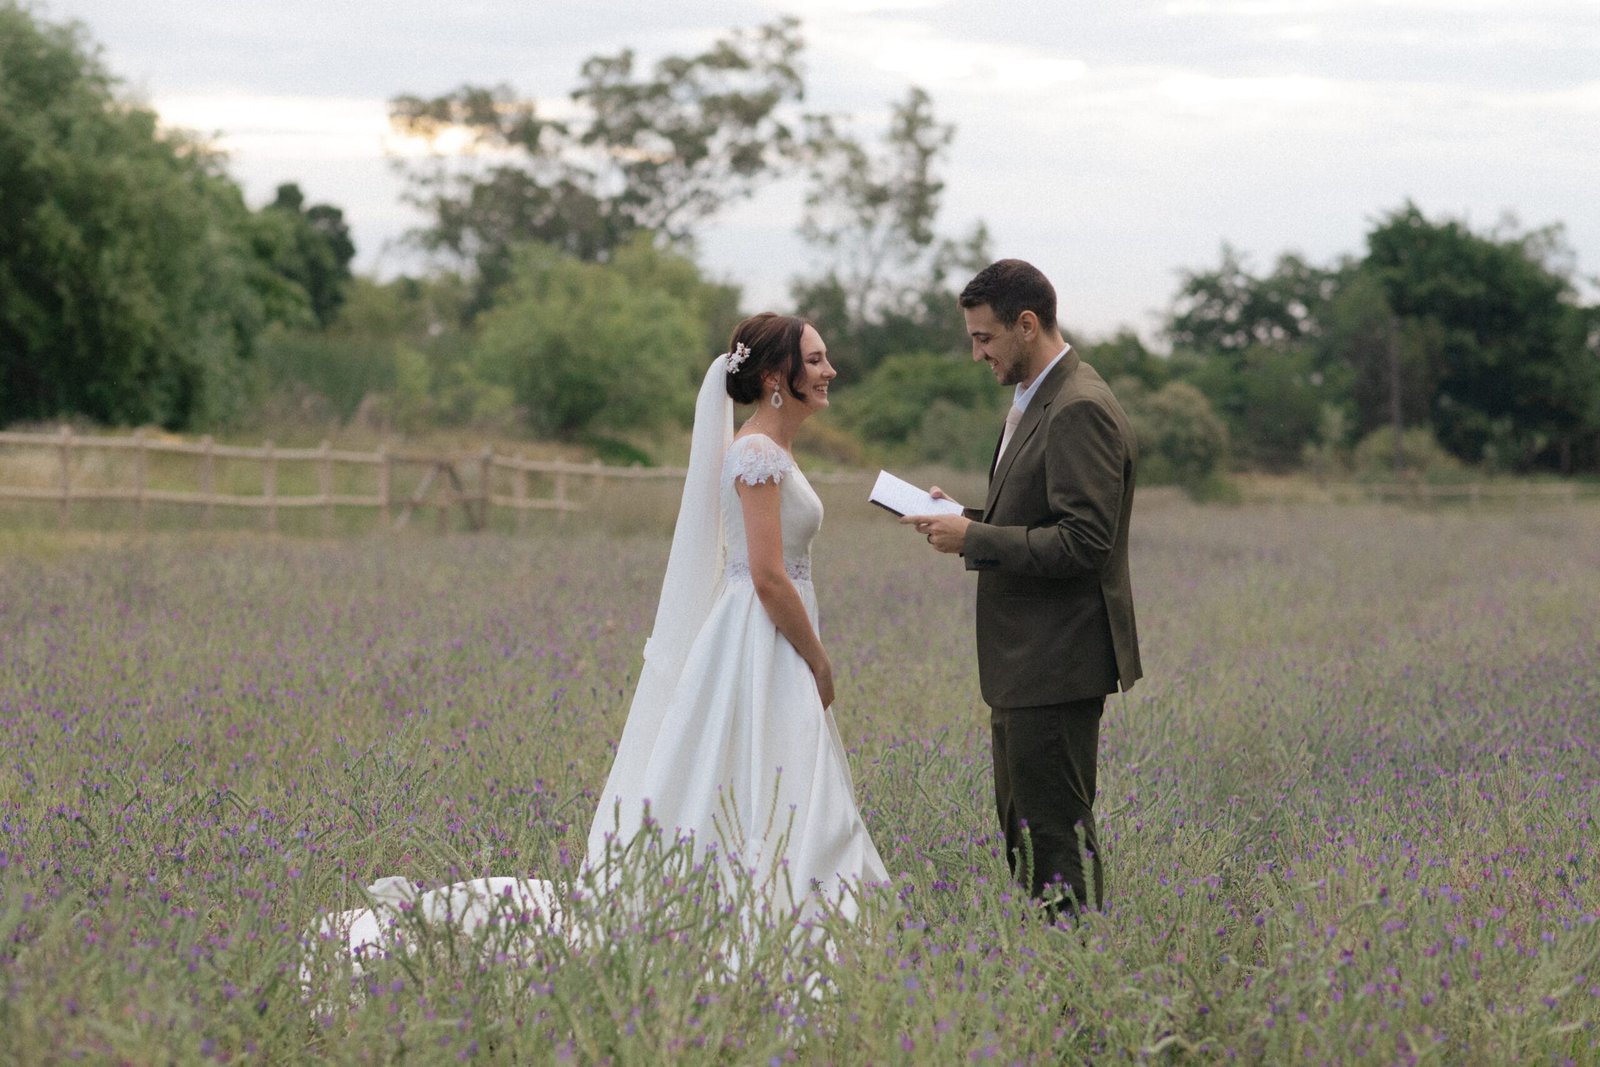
(824, 676)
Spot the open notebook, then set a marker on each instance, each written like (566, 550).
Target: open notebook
(903, 498)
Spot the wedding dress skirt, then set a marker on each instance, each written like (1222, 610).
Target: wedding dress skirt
(741, 762)
(749, 762)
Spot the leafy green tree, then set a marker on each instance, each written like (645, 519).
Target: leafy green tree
(1580, 450)
(316, 251)
(1229, 309)
(1271, 400)
(1124, 355)
(889, 406)
(587, 347)
(889, 284)
(1252, 346)
(130, 290)
(1514, 384)
(874, 215)
(352, 369)
(1381, 363)
(659, 151)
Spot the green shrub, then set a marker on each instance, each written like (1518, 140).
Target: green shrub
(1422, 456)
(1181, 440)
(891, 405)
(963, 438)
(615, 453)
(586, 346)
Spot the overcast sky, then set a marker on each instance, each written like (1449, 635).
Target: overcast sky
(1111, 143)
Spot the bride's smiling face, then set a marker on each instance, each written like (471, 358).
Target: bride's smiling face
(818, 371)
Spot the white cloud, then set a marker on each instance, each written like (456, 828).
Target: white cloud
(823, 8)
(921, 56)
(290, 127)
(1252, 8)
(1397, 9)
(1209, 94)
(1577, 100)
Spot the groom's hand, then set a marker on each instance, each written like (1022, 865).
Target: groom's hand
(946, 533)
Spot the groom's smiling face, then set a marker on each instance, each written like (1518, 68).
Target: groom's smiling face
(997, 345)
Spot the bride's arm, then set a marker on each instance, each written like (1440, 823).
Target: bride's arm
(763, 526)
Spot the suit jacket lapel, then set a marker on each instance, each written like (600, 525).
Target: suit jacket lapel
(1042, 399)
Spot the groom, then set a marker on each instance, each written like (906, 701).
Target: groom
(1055, 607)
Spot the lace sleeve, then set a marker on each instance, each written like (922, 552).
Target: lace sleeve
(756, 459)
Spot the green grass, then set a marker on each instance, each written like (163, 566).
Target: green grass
(1349, 815)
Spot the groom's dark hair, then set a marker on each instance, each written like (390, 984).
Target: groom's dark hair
(1010, 287)
(774, 342)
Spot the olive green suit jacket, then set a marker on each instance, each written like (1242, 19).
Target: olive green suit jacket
(1050, 545)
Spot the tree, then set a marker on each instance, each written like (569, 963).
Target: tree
(1514, 382)
(1271, 400)
(586, 347)
(129, 289)
(661, 152)
(1250, 344)
(1124, 355)
(928, 407)
(1386, 368)
(873, 216)
(1229, 309)
(890, 405)
(316, 252)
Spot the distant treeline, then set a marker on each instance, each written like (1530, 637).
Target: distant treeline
(566, 301)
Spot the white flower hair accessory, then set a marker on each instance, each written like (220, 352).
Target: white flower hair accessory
(736, 358)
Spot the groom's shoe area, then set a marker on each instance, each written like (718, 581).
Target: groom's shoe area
(1044, 788)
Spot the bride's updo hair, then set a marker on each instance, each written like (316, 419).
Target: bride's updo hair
(774, 343)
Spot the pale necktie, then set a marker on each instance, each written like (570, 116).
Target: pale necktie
(1013, 417)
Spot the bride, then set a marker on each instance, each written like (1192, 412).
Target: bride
(729, 745)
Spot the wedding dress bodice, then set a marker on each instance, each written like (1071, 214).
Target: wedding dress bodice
(753, 459)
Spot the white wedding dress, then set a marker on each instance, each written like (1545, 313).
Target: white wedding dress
(746, 757)
(727, 741)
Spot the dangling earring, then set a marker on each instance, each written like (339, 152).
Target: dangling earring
(777, 399)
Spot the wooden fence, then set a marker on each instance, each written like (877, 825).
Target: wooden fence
(474, 482)
(480, 482)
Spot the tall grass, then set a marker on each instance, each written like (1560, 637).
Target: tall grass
(1349, 816)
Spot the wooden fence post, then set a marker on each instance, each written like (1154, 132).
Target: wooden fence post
(561, 496)
(208, 478)
(66, 475)
(386, 484)
(325, 486)
(139, 476)
(485, 485)
(519, 493)
(444, 499)
(269, 484)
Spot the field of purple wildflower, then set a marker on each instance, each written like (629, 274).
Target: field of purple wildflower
(1350, 815)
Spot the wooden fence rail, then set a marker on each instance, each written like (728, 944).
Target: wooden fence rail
(465, 480)
(479, 482)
